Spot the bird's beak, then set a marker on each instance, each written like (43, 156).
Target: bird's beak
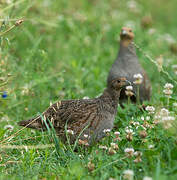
(124, 32)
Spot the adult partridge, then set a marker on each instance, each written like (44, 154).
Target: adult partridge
(127, 65)
(85, 119)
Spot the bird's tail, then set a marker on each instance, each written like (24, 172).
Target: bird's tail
(34, 123)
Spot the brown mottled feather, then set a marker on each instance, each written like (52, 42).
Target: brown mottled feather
(94, 115)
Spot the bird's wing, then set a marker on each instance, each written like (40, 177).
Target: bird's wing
(72, 112)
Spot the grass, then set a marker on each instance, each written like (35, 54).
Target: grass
(63, 50)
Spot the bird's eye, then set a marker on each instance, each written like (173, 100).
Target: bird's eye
(118, 81)
(130, 30)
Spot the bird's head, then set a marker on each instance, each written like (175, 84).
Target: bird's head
(126, 34)
(119, 83)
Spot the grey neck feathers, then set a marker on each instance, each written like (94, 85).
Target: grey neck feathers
(130, 49)
(111, 96)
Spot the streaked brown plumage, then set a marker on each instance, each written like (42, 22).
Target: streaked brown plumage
(127, 65)
(85, 117)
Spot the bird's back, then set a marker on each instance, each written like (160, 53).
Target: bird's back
(84, 117)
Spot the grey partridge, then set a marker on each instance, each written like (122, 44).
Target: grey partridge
(127, 65)
(85, 119)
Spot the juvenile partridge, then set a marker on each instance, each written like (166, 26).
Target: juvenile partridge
(85, 119)
(127, 65)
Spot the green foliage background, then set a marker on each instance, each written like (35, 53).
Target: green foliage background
(63, 50)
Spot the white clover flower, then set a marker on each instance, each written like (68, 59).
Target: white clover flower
(135, 153)
(151, 146)
(128, 91)
(117, 138)
(150, 109)
(138, 153)
(114, 146)
(111, 151)
(164, 112)
(70, 132)
(158, 117)
(129, 135)
(138, 78)
(167, 121)
(142, 118)
(137, 160)
(128, 127)
(106, 130)
(103, 147)
(83, 142)
(147, 118)
(86, 136)
(168, 118)
(129, 88)
(167, 92)
(129, 150)
(168, 86)
(129, 131)
(117, 133)
(136, 123)
(9, 127)
(147, 178)
(128, 174)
